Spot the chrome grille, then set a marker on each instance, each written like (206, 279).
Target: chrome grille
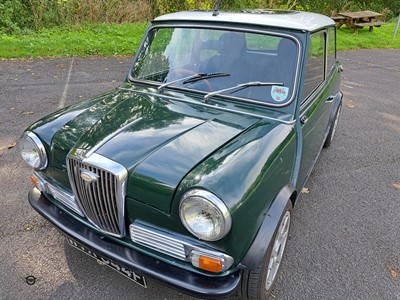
(158, 241)
(101, 198)
(174, 246)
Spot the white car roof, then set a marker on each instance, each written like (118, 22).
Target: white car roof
(297, 20)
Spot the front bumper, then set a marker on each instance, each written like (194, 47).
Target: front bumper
(188, 282)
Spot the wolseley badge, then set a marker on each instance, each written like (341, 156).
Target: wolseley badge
(88, 176)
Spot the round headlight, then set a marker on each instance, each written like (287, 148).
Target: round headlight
(33, 151)
(205, 215)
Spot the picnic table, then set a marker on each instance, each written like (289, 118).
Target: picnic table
(359, 19)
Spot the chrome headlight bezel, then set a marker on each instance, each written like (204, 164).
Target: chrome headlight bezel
(197, 199)
(33, 151)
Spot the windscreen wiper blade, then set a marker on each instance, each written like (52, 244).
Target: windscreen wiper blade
(203, 76)
(193, 78)
(240, 87)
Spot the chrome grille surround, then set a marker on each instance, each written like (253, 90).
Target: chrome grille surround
(101, 200)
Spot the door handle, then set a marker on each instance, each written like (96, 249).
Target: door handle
(330, 98)
(303, 120)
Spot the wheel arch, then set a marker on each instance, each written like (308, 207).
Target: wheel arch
(259, 247)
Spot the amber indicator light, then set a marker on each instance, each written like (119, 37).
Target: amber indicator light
(210, 264)
(34, 181)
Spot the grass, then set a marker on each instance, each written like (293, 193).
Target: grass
(380, 37)
(124, 39)
(84, 40)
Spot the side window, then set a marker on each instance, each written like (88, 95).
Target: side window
(331, 48)
(315, 67)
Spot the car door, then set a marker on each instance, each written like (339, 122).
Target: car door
(316, 105)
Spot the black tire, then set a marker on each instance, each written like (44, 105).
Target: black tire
(332, 129)
(254, 284)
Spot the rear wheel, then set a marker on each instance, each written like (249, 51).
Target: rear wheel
(257, 284)
(332, 130)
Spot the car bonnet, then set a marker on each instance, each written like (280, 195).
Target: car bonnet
(157, 140)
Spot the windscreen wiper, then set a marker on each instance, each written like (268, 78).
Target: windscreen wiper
(206, 76)
(194, 78)
(240, 87)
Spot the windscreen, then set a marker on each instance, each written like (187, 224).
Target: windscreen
(177, 55)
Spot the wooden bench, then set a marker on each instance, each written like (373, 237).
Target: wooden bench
(359, 19)
(370, 24)
(339, 20)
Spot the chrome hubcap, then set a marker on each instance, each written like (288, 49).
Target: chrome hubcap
(278, 250)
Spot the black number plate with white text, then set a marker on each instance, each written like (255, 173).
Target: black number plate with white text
(139, 279)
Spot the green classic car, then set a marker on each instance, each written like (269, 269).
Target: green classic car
(188, 171)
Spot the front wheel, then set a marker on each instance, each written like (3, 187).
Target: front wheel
(257, 284)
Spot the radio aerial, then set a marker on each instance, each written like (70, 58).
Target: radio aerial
(216, 9)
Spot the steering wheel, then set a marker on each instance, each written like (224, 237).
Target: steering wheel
(203, 84)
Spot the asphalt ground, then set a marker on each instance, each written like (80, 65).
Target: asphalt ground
(344, 242)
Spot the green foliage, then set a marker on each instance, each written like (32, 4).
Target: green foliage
(14, 16)
(21, 16)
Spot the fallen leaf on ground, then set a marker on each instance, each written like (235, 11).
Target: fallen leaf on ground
(12, 145)
(27, 113)
(350, 104)
(28, 227)
(393, 272)
(397, 185)
(305, 190)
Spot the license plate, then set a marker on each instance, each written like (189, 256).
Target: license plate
(139, 279)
